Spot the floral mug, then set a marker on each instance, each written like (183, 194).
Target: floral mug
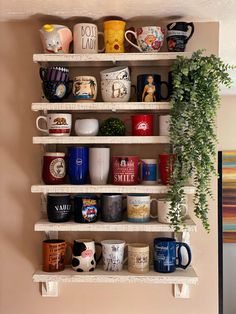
(149, 38)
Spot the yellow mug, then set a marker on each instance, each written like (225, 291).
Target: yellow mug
(114, 36)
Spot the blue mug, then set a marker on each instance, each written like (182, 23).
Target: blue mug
(78, 164)
(167, 255)
(149, 171)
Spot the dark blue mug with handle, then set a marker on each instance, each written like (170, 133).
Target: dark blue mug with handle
(78, 164)
(149, 88)
(168, 256)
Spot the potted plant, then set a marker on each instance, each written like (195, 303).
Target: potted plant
(194, 102)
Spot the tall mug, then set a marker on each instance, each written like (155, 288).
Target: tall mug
(114, 36)
(99, 165)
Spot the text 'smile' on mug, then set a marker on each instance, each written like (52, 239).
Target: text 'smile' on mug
(58, 124)
(59, 208)
(142, 125)
(78, 164)
(168, 256)
(113, 254)
(125, 170)
(138, 258)
(111, 207)
(54, 168)
(85, 208)
(149, 88)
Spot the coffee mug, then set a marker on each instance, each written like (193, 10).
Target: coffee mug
(58, 124)
(115, 73)
(149, 38)
(113, 254)
(84, 88)
(54, 252)
(54, 74)
(142, 125)
(164, 125)
(55, 38)
(138, 207)
(84, 255)
(166, 167)
(54, 168)
(78, 161)
(85, 208)
(149, 88)
(149, 171)
(86, 127)
(114, 35)
(116, 90)
(125, 170)
(99, 165)
(111, 207)
(138, 258)
(59, 208)
(163, 210)
(86, 38)
(178, 34)
(168, 255)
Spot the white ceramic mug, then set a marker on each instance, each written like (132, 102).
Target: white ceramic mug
(99, 165)
(85, 37)
(164, 125)
(138, 258)
(113, 254)
(163, 210)
(115, 90)
(84, 88)
(58, 124)
(139, 207)
(116, 73)
(86, 127)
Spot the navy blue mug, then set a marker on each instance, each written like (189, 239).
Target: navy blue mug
(78, 164)
(85, 208)
(167, 255)
(149, 88)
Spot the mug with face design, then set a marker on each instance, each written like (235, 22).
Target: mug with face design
(58, 124)
(113, 254)
(149, 38)
(85, 88)
(59, 208)
(125, 170)
(84, 255)
(54, 168)
(149, 88)
(114, 35)
(138, 258)
(139, 207)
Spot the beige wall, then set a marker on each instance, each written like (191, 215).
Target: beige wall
(20, 167)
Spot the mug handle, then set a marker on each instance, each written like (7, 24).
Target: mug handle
(191, 33)
(130, 42)
(184, 206)
(126, 258)
(179, 255)
(69, 259)
(167, 86)
(37, 124)
(70, 82)
(42, 73)
(101, 34)
(156, 201)
(100, 256)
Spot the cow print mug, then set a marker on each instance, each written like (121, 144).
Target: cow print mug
(84, 255)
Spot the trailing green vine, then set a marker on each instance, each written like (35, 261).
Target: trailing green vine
(195, 100)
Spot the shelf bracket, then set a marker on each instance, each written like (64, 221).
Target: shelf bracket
(181, 291)
(50, 289)
(51, 234)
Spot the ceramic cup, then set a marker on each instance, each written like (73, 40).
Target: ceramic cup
(84, 88)
(178, 34)
(85, 37)
(163, 209)
(114, 35)
(138, 258)
(166, 167)
(111, 207)
(113, 254)
(164, 125)
(142, 125)
(149, 171)
(99, 165)
(115, 73)
(59, 208)
(55, 38)
(150, 88)
(149, 38)
(86, 127)
(85, 208)
(116, 90)
(54, 168)
(125, 170)
(54, 252)
(84, 255)
(57, 124)
(139, 207)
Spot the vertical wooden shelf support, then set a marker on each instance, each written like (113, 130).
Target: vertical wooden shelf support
(50, 289)
(181, 291)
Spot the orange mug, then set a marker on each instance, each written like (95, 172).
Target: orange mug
(114, 36)
(54, 255)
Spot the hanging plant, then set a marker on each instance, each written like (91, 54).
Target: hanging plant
(194, 100)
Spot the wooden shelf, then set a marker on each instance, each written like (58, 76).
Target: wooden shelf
(122, 226)
(108, 188)
(107, 59)
(101, 140)
(103, 106)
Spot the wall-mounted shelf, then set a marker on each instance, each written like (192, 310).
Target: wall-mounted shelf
(108, 188)
(102, 106)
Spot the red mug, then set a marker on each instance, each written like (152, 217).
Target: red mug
(54, 168)
(125, 170)
(166, 166)
(142, 125)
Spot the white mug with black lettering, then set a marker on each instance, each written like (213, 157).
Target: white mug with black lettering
(85, 37)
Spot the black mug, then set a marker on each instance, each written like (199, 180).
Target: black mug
(178, 35)
(149, 88)
(59, 208)
(111, 207)
(85, 208)
(168, 256)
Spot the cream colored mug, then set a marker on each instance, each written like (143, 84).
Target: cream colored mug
(164, 206)
(138, 258)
